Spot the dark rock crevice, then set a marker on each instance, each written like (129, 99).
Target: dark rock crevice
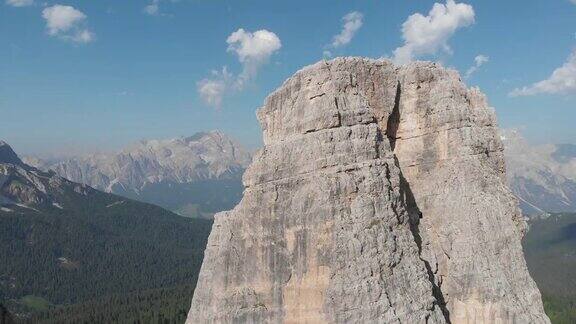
(394, 119)
(414, 212)
(414, 218)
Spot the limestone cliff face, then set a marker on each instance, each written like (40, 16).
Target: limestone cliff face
(379, 196)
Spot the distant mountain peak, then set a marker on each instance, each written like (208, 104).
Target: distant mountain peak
(214, 136)
(210, 134)
(148, 165)
(7, 155)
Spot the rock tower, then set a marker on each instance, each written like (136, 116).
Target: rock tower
(379, 197)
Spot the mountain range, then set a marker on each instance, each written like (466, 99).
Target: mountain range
(193, 176)
(62, 238)
(543, 177)
(200, 175)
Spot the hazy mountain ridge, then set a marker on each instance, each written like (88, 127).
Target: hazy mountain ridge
(543, 177)
(174, 173)
(187, 174)
(210, 155)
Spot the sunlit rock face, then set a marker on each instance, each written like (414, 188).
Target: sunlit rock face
(379, 196)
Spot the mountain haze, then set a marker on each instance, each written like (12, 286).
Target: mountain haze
(543, 177)
(193, 176)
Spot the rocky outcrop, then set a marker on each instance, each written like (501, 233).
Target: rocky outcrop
(379, 196)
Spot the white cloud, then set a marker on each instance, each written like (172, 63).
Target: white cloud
(481, 59)
(426, 35)
(253, 51)
(352, 23)
(82, 36)
(478, 62)
(562, 81)
(61, 18)
(152, 9)
(212, 90)
(19, 3)
(66, 22)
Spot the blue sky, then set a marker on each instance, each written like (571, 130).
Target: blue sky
(97, 75)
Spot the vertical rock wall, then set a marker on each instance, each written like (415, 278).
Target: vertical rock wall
(379, 196)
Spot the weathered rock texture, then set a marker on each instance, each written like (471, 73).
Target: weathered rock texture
(379, 197)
